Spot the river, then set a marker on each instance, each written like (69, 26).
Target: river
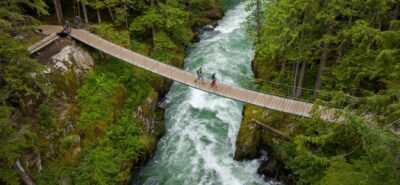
(201, 128)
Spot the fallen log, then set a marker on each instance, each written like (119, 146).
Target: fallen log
(25, 178)
(271, 129)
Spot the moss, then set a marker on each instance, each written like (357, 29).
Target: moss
(252, 139)
(248, 138)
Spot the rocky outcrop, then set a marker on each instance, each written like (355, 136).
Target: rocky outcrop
(253, 140)
(152, 120)
(72, 57)
(275, 168)
(248, 138)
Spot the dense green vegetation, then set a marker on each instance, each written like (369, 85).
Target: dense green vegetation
(110, 135)
(67, 130)
(83, 130)
(348, 51)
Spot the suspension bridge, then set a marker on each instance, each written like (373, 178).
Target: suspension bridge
(269, 101)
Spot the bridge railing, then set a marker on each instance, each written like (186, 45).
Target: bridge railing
(248, 82)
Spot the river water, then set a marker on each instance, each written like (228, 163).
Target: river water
(201, 128)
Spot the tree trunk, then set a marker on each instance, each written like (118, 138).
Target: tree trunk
(189, 10)
(283, 68)
(59, 13)
(126, 16)
(258, 20)
(85, 15)
(295, 70)
(25, 178)
(153, 29)
(324, 58)
(98, 14)
(396, 11)
(111, 13)
(301, 79)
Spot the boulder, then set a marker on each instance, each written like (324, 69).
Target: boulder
(275, 168)
(208, 28)
(247, 142)
(248, 138)
(73, 58)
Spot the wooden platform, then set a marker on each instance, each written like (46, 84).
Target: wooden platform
(43, 43)
(272, 102)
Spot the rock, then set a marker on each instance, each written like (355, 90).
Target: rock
(214, 14)
(265, 114)
(19, 37)
(76, 152)
(208, 28)
(158, 129)
(275, 168)
(247, 141)
(249, 136)
(74, 58)
(76, 140)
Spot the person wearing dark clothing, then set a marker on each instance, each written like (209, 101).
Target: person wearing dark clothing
(214, 80)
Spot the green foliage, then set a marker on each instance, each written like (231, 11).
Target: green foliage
(109, 32)
(351, 152)
(101, 166)
(46, 115)
(110, 137)
(21, 84)
(362, 73)
(9, 150)
(169, 18)
(11, 11)
(20, 74)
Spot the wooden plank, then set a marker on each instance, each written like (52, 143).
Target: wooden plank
(301, 108)
(297, 108)
(281, 104)
(43, 43)
(234, 92)
(257, 98)
(274, 103)
(292, 107)
(305, 109)
(254, 98)
(308, 109)
(245, 95)
(260, 99)
(239, 93)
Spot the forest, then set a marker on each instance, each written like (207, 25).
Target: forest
(344, 54)
(60, 128)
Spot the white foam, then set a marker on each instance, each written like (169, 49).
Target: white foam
(201, 128)
(233, 19)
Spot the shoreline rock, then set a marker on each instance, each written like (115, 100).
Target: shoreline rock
(253, 139)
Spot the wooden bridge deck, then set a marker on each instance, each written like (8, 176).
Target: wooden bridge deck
(268, 101)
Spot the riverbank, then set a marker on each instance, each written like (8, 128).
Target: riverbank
(254, 140)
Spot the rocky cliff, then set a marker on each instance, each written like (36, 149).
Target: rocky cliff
(254, 140)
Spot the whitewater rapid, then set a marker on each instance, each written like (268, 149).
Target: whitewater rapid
(201, 128)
